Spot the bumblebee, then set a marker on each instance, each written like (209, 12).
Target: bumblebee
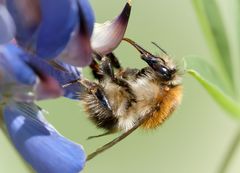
(130, 98)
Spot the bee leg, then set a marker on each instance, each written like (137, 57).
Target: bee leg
(107, 68)
(121, 137)
(125, 85)
(95, 90)
(97, 104)
(97, 136)
(114, 61)
(83, 82)
(111, 56)
(99, 108)
(96, 71)
(108, 71)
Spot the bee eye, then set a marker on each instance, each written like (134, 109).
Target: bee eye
(163, 70)
(165, 73)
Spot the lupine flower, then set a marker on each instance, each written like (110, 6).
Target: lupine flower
(7, 29)
(41, 45)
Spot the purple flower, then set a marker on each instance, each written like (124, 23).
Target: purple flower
(42, 46)
(31, 134)
(7, 27)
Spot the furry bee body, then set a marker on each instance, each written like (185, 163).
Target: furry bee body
(149, 92)
(130, 98)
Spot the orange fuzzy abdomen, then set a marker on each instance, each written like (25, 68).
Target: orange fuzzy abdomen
(166, 104)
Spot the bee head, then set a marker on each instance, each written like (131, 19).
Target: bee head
(163, 67)
(160, 66)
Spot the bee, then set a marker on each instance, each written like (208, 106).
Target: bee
(130, 98)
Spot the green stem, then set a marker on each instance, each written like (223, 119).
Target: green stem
(232, 150)
(2, 127)
(237, 9)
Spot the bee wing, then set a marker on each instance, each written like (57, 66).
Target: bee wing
(121, 137)
(76, 88)
(80, 86)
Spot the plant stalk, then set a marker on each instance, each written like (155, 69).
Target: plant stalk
(230, 154)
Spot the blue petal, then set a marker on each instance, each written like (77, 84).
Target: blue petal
(39, 143)
(59, 18)
(13, 60)
(7, 29)
(78, 51)
(19, 76)
(87, 14)
(27, 17)
(63, 73)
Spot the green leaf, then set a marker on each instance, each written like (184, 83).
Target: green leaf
(237, 13)
(213, 27)
(210, 80)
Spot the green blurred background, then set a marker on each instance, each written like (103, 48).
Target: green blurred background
(193, 140)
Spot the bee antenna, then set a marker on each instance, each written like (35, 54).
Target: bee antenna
(155, 44)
